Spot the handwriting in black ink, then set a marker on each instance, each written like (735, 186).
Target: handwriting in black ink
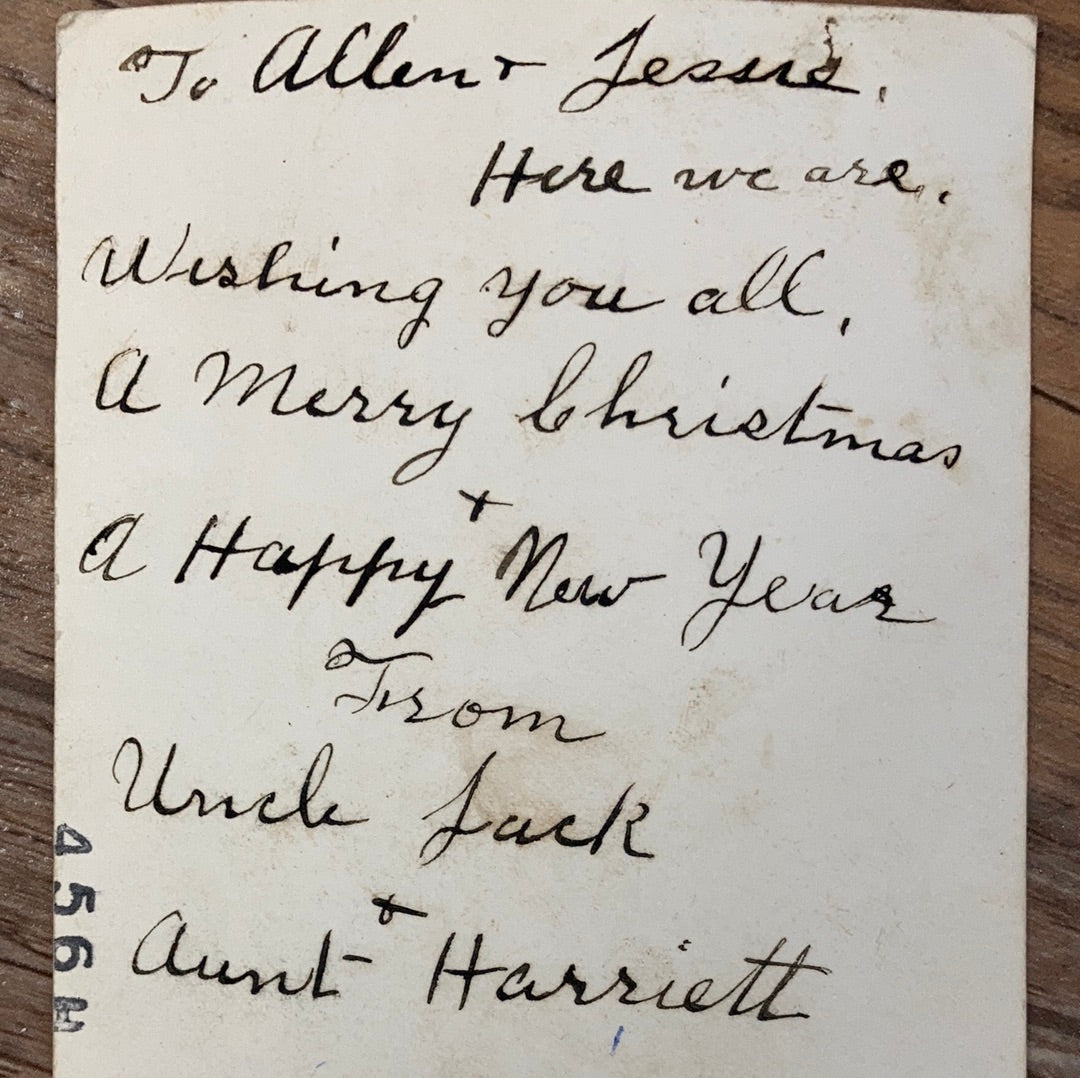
(479, 503)
(591, 297)
(289, 69)
(114, 537)
(755, 179)
(583, 593)
(521, 984)
(355, 404)
(174, 923)
(654, 72)
(766, 279)
(550, 180)
(387, 908)
(264, 806)
(345, 652)
(140, 59)
(554, 414)
(279, 559)
(224, 271)
(410, 705)
(774, 597)
(123, 400)
(506, 65)
(892, 175)
(520, 830)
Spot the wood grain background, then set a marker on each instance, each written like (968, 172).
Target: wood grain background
(27, 318)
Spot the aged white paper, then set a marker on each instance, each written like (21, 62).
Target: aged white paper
(542, 540)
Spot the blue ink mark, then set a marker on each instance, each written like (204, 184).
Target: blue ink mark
(618, 1037)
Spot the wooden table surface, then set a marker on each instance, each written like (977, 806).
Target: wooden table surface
(27, 319)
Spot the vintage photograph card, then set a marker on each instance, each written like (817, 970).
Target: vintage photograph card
(542, 521)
